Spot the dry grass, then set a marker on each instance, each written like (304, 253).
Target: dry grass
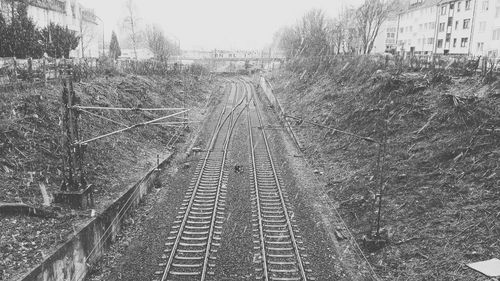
(441, 174)
(30, 152)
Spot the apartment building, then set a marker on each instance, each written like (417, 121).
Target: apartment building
(68, 13)
(387, 42)
(455, 27)
(486, 29)
(417, 27)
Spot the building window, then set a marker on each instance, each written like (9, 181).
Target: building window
(452, 5)
(480, 46)
(440, 43)
(456, 25)
(458, 6)
(482, 26)
(430, 41)
(466, 23)
(467, 4)
(485, 5)
(401, 30)
(450, 21)
(464, 41)
(454, 42)
(496, 34)
(497, 12)
(443, 10)
(441, 27)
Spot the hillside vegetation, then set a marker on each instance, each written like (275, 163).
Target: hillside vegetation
(30, 152)
(440, 168)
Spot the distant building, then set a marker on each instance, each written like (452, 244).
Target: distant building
(386, 41)
(142, 54)
(417, 27)
(247, 54)
(455, 26)
(68, 13)
(452, 27)
(195, 54)
(486, 29)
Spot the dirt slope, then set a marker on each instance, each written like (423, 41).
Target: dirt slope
(441, 174)
(30, 152)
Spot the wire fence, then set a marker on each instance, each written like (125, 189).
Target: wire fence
(15, 71)
(458, 64)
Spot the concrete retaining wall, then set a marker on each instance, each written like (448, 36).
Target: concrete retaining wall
(72, 260)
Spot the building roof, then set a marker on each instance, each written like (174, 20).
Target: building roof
(446, 1)
(412, 5)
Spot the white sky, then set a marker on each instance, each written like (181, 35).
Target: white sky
(222, 24)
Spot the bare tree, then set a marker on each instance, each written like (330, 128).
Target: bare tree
(369, 18)
(352, 41)
(309, 37)
(336, 35)
(89, 33)
(314, 33)
(131, 22)
(158, 43)
(288, 40)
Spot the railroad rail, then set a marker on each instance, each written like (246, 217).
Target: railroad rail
(276, 236)
(196, 232)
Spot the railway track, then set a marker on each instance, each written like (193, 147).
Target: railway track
(277, 242)
(196, 233)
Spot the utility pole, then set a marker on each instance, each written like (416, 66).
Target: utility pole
(79, 14)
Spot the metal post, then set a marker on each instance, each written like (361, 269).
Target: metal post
(381, 160)
(65, 140)
(73, 156)
(44, 70)
(30, 69)
(15, 70)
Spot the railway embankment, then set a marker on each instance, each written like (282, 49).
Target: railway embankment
(426, 143)
(30, 154)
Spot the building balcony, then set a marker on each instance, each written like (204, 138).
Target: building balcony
(54, 5)
(89, 15)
